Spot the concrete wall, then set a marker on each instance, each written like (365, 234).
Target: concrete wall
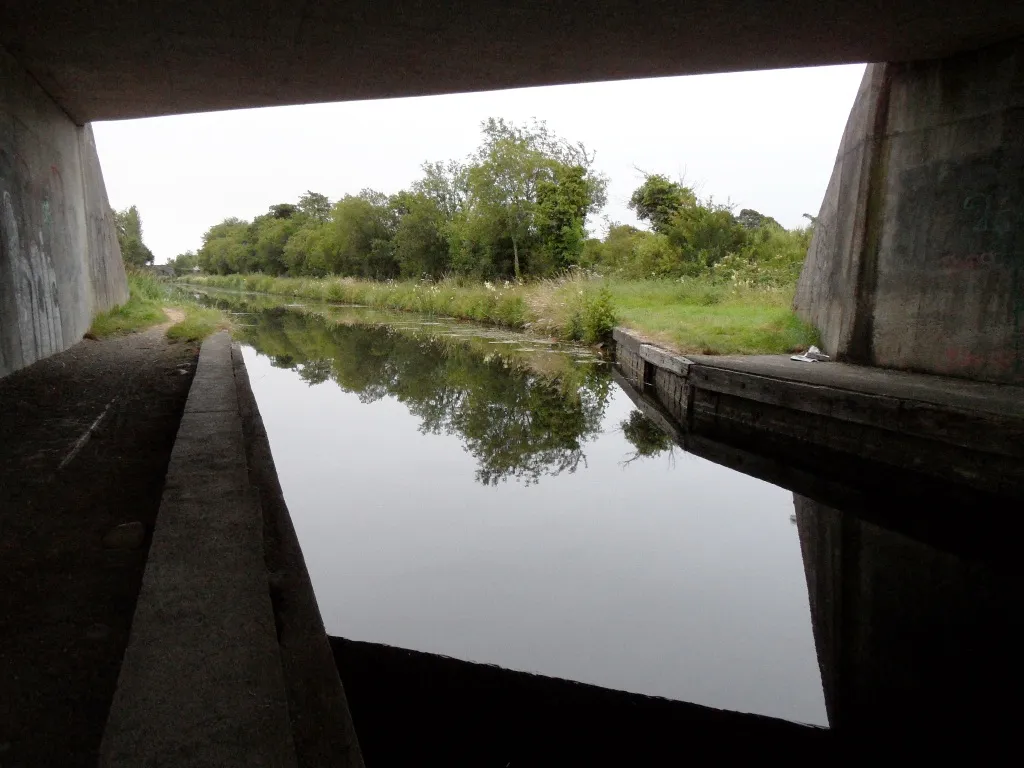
(918, 257)
(910, 638)
(59, 259)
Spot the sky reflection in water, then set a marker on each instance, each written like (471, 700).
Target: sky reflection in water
(480, 496)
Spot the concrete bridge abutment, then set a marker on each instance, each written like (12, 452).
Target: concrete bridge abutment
(60, 263)
(917, 260)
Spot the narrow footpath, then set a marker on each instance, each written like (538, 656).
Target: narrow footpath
(85, 440)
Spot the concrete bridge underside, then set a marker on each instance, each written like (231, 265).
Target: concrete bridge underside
(937, 140)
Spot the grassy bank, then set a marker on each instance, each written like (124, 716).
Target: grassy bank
(702, 318)
(694, 315)
(143, 309)
(199, 323)
(574, 309)
(147, 298)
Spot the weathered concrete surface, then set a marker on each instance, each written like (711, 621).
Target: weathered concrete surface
(974, 396)
(59, 260)
(941, 427)
(917, 261)
(106, 59)
(201, 682)
(829, 294)
(419, 709)
(74, 532)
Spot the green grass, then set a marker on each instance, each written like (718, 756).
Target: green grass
(147, 298)
(701, 318)
(199, 323)
(143, 309)
(691, 315)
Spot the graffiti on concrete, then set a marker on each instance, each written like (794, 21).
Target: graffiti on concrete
(27, 267)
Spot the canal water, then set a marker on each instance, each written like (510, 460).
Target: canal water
(486, 496)
(497, 498)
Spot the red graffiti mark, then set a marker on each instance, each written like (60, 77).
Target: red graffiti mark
(969, 262)
(56, 172)
(966, 359)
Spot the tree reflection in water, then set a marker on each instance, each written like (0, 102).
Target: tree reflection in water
(515, 420)
(647, 437)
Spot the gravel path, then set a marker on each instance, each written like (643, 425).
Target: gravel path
(85, 437)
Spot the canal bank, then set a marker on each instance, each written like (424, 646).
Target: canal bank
(932, 427)
(227, 662)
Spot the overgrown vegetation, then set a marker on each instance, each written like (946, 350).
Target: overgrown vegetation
(501, 237)
(693, 315)
(143, 309)
(575, 308)
(516, 208)
(147, 299)
(199, 323)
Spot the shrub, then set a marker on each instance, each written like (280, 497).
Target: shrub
(599, 318)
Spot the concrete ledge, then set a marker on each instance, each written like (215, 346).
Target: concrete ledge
(666, 360)
(322, 728)
(972, 432)
(624, 338)
(201, 682)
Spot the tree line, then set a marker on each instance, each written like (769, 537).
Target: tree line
(517, 207)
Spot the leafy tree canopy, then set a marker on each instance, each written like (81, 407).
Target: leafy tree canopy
(516, 208)
(659, 200)
(128, 226)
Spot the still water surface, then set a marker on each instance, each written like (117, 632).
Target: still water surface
(481, 495)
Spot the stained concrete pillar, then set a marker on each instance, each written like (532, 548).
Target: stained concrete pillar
(917, 260)
(60, 264)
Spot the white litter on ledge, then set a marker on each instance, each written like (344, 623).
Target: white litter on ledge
(812, 355)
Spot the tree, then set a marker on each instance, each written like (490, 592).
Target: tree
(706, 233)
(226, 248)
(183, 263)
(283, 210)
(421, 244)
(360, 232)
(128, 225)
(269, 235)
(503, 180)
(562, 204)
(315, 206)
(658, 200)
(446, 184)
(506, 170)
(305, 253)
(750, 219)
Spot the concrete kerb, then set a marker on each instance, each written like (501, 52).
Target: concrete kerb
(201, 682)
(322, 728)
(970, 432)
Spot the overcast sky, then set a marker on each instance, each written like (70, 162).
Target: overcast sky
(763, 140)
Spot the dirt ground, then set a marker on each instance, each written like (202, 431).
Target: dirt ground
(85, 438)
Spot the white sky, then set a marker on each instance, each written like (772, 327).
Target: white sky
(763, 140)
